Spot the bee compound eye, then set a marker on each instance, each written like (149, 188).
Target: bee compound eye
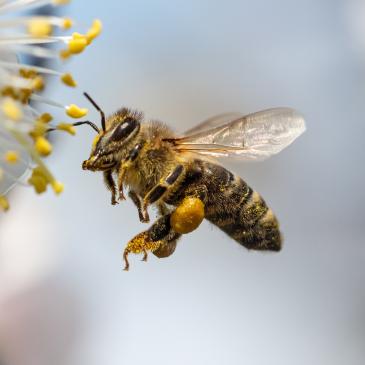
(124, 129)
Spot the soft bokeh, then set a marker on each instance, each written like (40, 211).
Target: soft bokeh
(64, 296)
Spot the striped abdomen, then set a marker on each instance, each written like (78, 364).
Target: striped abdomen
(235, 208)
(231, 205)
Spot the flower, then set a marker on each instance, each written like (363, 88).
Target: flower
(23, 129)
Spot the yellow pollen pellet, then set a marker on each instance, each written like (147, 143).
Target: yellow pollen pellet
(94, 31)
(188, 215)
(77, 44)
(68, 80)
(67, 23)
(57, 187)
(11, 157)
(11, 109)
(4, 204)
(43, 147)
(69, 128)
(39, 28)
(75, 112)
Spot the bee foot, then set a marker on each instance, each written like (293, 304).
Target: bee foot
(114, 201)
(144, 217)
(125, 258)
(145, 255)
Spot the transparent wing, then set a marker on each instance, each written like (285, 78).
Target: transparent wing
(252, 137)
(212, 122)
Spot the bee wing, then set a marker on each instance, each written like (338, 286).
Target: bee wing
(252, 137)
(212, 122)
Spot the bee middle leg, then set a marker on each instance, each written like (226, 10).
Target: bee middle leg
(143, 216)
(159, 190)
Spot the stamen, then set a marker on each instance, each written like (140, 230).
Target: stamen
(39, 28)
(94, 31)
(4, 204)
(11, 109)
(77, 44)
(26, 4)
(35, 51)
(43, 147)
(68, 80)
(66, 127)
(32, 40)
(75, 112)
(65, 23)
(11, 157)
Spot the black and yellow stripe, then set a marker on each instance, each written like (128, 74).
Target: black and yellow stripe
(232, 206)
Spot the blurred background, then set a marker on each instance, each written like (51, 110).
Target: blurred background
(64, 298)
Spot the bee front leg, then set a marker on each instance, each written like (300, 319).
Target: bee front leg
(143, 216)
(110, 184)
(125, 165)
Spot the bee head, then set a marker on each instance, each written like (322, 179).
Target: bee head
(109, 145)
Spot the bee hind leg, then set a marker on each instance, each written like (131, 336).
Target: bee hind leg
(160, 239)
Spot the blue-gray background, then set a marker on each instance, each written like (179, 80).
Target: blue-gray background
(67, 300)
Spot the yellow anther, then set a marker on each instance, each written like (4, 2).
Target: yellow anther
(11, 109)
(38, 180)
(69, 128)
(77, 44)
(39, 27)
(94, 31)
(67, 23)
(65, 54)
(60, 2)
(27, 73)
(11, 157)
(4, 204)
(57, 187)
(188, 215)
(38, 130)
(38, 83)
(45, 118)
(43, 147)
(75, 112)
(68, 80)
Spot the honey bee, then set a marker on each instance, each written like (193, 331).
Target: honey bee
(180, 175)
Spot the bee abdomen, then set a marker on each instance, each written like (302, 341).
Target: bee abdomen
(246, 218)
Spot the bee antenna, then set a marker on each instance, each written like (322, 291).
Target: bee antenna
(96, 106)
(91, 124)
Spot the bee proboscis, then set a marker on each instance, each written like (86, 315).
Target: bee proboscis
(181, 176)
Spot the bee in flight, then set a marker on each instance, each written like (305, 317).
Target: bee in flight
(181, 176)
